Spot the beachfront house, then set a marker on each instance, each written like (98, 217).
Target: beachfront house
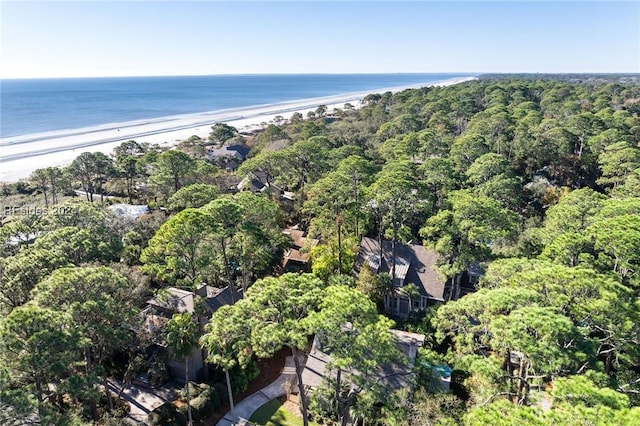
(228, 157)
(414, 265)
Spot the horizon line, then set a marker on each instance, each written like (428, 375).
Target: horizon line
(245, 74)
(465, 73)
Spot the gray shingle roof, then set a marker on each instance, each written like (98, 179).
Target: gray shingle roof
(414, 264)
(395, 375)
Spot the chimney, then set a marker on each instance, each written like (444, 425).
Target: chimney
(201, 290)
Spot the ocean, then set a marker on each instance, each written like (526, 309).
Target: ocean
(45, 105)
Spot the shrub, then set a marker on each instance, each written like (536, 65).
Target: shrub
(194, 391)
(166, 415)
(201, 408)
(211, 394)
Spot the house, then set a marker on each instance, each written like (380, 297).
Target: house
(296, 257)
(177, 301)
(203, 302)
(414, 265)
(395, 375)
(228, 157)
(258, 182)
(466, 282)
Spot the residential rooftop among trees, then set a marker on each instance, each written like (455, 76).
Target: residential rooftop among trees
(521, 194)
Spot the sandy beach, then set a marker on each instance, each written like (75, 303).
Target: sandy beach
(21, 155)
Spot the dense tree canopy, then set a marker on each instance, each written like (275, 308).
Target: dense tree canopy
(530, 179)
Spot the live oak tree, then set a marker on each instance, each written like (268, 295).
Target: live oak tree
(466, 321)
(597, 302)
(575, 400)
(270, 163)
(533, 342)
(230, 234)
(77, 213)
(78, 245)
(544, 342)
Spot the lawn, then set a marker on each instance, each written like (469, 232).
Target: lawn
(274, 414)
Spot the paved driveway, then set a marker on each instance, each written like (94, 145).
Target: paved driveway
(143, 400)
(245, 408)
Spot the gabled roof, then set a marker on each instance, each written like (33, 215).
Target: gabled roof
(255, 182)
(219, 297)
(173, 300)
(298, 238)
(414, 264)
(395, 375)
(235, 151)
(298, 241)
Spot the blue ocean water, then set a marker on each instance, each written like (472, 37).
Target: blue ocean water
(42, 105)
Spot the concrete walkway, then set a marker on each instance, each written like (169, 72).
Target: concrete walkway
(280, 387)
(142, 401)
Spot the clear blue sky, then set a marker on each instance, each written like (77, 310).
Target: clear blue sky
(77, 39)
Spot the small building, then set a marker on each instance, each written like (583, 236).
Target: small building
(228, 157)
(414, 265)
(258, 182)
(395, 375)
(205, 300)
(296, 256)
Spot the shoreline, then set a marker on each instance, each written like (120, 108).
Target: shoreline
(21, 155)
